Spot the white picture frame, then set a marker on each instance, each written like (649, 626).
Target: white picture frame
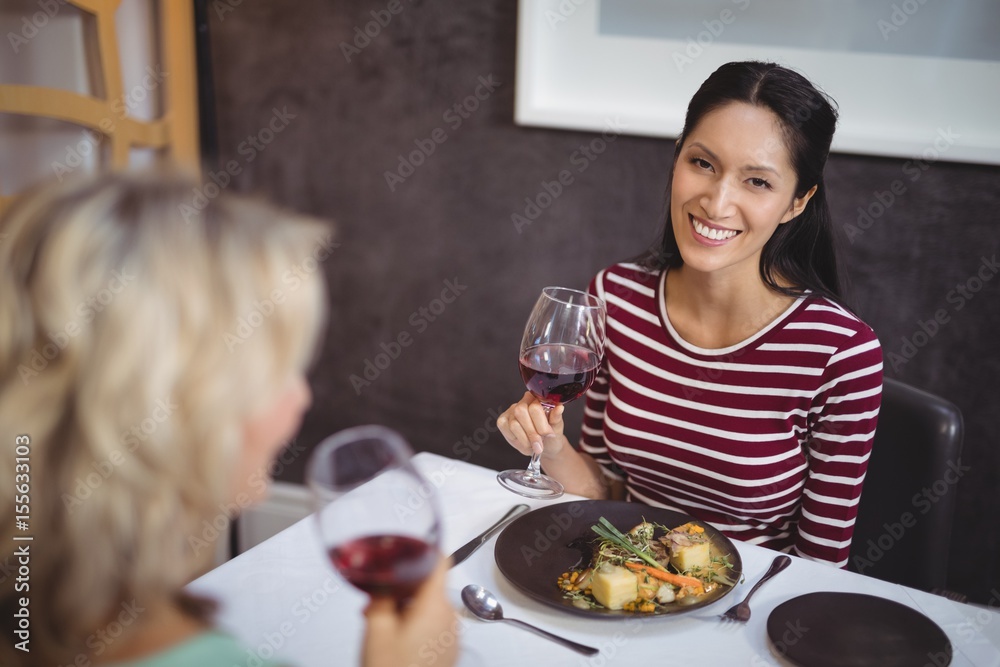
(570, 76)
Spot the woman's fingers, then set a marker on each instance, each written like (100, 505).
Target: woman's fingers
(430, 596)
(539, 418)
(526, 439)
(531, 417)
(517, 425)
(525, 424)
(426, 627)
(513, 432)
(556, 418)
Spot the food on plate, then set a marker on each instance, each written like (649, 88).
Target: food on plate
(614, 586)
(689, 547)
(646, 569)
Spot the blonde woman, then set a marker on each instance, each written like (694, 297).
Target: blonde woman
(151, 367)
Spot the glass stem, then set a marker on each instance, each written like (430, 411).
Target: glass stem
(535, 465)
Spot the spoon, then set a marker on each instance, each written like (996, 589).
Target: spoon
(485, 605)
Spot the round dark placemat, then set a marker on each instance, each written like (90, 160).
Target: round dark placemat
(829, 629)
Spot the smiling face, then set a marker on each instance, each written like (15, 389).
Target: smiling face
(733, 185)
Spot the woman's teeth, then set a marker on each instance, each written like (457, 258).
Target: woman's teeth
(712, 233)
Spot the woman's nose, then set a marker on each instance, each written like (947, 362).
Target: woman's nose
(717, 200)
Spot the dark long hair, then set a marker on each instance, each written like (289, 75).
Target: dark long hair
(801, 252)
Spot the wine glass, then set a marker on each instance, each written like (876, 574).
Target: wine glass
(377, 516)
(561, 351)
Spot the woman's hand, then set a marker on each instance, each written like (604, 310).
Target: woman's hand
(425, 632)
(528, 430)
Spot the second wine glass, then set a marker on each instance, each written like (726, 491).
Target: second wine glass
(377, 516)
(561, 352)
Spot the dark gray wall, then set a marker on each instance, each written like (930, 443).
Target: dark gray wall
(451, 221)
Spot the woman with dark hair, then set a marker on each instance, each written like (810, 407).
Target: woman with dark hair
(736, 386)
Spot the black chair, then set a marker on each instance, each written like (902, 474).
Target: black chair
(903, 529)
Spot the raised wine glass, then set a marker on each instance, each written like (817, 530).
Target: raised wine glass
(561, 351)
(377, 516)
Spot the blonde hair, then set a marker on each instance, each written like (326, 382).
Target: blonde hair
(140, 325)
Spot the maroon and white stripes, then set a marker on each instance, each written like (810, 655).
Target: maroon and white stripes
(768, 440)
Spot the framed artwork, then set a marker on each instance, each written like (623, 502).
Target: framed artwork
(912, 78)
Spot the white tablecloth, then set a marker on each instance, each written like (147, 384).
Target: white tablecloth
(283, 599)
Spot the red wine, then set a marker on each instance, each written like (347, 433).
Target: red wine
(558, 373)
(391, 565)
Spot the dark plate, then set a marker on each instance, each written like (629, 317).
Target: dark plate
(854, 630)
(533, 550)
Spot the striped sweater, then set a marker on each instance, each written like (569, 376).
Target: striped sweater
(767, 440)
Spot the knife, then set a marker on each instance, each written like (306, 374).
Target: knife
(470, 547)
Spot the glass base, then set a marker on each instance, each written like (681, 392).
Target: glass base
(525, 483)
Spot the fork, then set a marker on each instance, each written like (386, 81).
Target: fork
(741, 612)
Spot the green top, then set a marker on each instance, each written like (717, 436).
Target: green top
(209, 649)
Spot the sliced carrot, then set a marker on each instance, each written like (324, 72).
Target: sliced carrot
(678, 580)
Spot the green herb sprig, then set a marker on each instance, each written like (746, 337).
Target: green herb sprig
(607, 531)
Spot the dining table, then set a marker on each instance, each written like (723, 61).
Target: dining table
(284, 601)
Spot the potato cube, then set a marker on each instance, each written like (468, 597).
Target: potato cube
(687, 558)
(613, 586)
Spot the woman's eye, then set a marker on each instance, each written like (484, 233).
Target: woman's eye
(760, 183)
(701, 163)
